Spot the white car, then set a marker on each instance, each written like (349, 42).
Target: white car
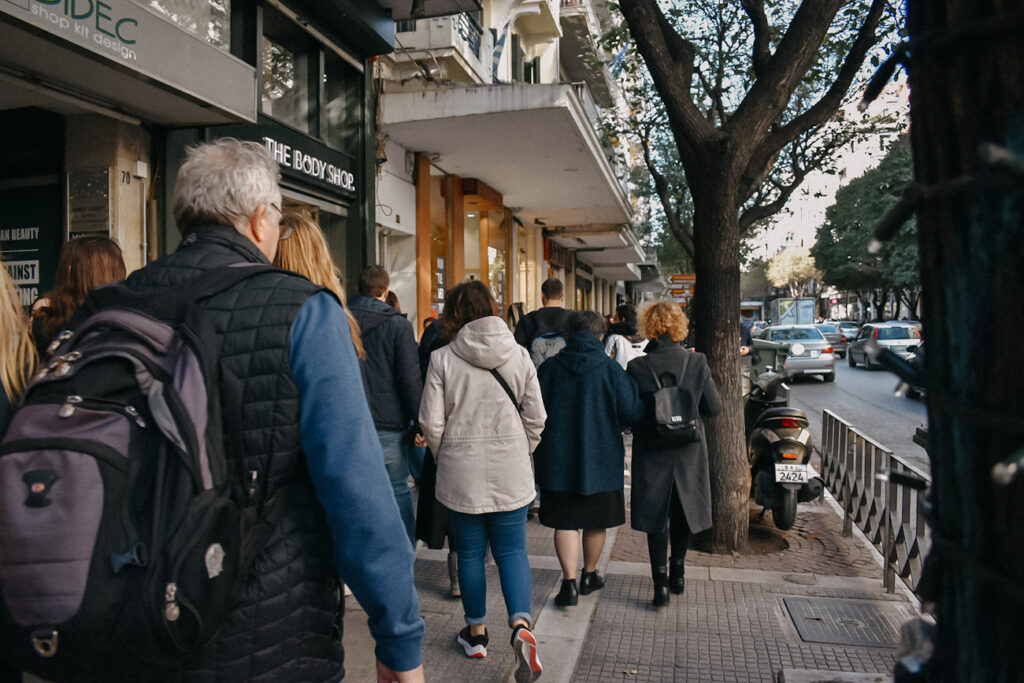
(900, 338)
(809, 352)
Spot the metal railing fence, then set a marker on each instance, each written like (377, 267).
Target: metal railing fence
(891, 515)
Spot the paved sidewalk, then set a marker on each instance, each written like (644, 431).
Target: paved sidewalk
(742, 618)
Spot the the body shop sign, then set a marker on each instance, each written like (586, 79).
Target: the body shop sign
(299, 156)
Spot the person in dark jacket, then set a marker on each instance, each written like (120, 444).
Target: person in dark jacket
(671, 494)
(579, 463)
(304, 418)
(551, 317)
(393, 380)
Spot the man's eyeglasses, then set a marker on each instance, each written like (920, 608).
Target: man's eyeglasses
(285, 225)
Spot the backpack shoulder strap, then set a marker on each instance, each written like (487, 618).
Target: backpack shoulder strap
(507, 388)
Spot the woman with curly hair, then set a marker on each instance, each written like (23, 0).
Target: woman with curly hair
(84, 264)
(303, 250)
(482, 415)
(671, 495)
(17, 355)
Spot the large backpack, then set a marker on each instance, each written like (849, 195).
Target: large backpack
(123, 528)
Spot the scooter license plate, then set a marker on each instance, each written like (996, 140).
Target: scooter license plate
(790, 474)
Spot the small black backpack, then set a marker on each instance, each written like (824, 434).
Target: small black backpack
(124, 530)
(675, 411)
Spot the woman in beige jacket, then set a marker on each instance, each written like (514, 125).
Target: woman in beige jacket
(482, 437)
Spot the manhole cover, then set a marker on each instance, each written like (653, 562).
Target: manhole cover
(846, 622)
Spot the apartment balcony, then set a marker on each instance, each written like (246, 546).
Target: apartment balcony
(535, 144)
(581, 57)
(454, 47)
(613, 254)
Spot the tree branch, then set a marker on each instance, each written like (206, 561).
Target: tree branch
(825, 107)
(670, 59)
(664, 192)
(762, 48)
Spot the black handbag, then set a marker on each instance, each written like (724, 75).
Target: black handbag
(675, 412)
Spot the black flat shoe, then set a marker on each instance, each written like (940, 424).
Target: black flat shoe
(590, 582)
(568, 596)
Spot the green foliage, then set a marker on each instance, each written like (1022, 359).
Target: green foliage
(841, 247)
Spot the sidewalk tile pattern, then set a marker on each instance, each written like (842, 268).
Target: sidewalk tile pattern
(717, 631)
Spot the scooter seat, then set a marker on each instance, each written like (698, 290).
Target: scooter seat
(782, 412)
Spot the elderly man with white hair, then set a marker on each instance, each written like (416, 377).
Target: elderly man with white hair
(286, 364)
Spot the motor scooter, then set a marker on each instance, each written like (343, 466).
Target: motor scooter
(778, 450)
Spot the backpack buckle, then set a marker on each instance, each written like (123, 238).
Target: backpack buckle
(44, 642)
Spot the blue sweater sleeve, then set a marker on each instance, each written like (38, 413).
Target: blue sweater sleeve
(371, 548)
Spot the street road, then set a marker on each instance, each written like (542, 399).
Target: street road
(865, 400)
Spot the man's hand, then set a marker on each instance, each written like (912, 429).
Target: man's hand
(386, 675)
(744, 350)
(419, 441)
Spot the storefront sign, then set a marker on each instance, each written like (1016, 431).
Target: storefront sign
(132, 36)
(30, 238)
(299, 156)
(88, 202)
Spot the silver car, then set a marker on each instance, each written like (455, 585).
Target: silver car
(809, 352)
(900, 338)
(835, 337)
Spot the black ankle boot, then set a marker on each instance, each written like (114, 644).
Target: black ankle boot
(568, 596)
(676, 580)
(660, 574)
(590, 582)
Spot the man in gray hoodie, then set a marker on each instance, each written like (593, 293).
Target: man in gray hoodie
(393, 382)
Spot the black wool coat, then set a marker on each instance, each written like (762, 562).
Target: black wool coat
(655, 469)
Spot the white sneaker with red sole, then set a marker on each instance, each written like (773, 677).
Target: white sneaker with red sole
(528, 668)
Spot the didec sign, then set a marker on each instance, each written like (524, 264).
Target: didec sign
(92, 20)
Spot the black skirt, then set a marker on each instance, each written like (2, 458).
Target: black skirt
(561, 510)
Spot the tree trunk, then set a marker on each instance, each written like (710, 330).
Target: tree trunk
(965, 93)
(716, 317)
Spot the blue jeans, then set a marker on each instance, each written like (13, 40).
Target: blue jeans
(396, 461)
(506, 532)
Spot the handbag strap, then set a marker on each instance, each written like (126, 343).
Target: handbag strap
(507, 388)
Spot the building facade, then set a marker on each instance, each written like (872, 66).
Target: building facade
(101, 99)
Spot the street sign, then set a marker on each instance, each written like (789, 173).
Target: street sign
(681, 279)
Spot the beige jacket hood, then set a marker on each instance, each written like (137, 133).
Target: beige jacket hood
(481, 443)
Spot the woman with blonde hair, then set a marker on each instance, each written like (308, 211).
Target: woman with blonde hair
(303, 250)
(671, 494)
(17, 354)
(84, 264)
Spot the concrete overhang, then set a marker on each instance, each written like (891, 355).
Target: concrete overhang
(532, 143)
(402, 9)
(625, 272)
(630, 254)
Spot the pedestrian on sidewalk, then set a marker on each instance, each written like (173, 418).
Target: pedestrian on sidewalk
(580, 460)
(671, 494)
(393, 384)
(482, 415)
(305, 419)
(624, 341)
(84, 264)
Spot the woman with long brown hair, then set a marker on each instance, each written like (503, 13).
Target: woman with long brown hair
(17, 355)
(482, 415)
(303, 250)
(84, 264)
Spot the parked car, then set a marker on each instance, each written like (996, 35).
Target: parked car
(900, 338)
(809, 352)
(835, 337)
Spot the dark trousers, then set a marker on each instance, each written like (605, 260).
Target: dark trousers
(678, 533)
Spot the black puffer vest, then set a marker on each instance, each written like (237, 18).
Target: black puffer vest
(286, 625)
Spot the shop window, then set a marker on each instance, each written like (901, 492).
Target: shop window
(497, 241)
(208, 20)
(288, 59)
(405, 26)
(343, 104)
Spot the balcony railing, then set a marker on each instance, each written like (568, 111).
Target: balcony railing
(469, 30)
(573, 3)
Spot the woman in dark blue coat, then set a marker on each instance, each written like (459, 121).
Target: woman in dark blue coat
(671, 494)
(579, 462)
